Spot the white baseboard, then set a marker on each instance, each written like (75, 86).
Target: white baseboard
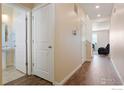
(68, 76)
(88, 60)
(117, 72)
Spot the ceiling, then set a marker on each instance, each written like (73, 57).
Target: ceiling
(104, 10)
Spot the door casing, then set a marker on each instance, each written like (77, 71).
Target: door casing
(83, 41)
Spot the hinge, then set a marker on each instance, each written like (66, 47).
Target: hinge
(26, 18)
(26, 63)
(33, 64)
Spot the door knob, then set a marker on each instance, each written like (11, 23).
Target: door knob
(49, 46)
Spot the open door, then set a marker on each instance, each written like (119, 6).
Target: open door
(20, 43)
(42, 42)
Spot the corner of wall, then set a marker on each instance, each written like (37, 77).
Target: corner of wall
(68, 76)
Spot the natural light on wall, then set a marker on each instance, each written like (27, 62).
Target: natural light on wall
(4, 18)
(97, 26)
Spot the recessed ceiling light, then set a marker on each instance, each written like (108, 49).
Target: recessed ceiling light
(97, 6)
(98, 15)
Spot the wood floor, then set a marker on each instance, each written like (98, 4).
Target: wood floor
(29, 80)
(98, 72)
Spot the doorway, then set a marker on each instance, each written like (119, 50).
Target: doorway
(100, 41)
(14, 53)
(94, 43)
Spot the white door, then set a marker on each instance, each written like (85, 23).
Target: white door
(42, 42)
(83, 27)
(20, 41)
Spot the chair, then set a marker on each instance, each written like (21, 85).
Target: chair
(104, 51)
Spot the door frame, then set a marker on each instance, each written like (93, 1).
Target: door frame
(83, 25)
(28, 35)
(53, 39)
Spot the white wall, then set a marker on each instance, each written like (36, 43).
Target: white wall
(88, 39)
(117, 39)
(67, 46)
(105, 25)
(102, 38)
(0, 46)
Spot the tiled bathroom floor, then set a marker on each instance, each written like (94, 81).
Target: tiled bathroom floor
(10, 74)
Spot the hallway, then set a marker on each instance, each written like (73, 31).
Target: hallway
(99, 72)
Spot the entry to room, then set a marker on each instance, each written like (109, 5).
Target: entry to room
(13, 42)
